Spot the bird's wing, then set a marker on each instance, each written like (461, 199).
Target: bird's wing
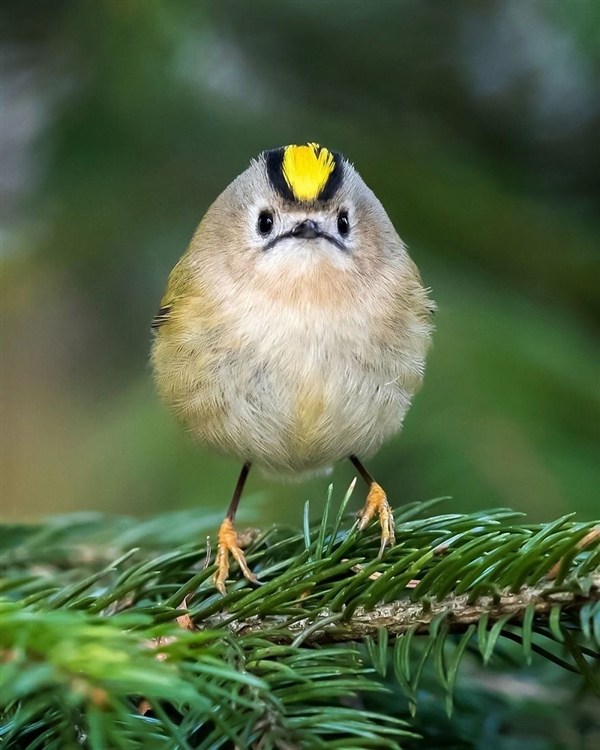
(161, 317)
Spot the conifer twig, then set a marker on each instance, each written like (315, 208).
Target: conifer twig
(399, 616)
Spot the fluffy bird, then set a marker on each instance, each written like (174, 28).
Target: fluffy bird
(294, 329)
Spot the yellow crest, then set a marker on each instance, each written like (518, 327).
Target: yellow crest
(306, 170)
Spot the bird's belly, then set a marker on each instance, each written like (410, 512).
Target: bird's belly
(301, 408)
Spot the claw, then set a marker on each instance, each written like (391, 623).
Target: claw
(229, 541)
(377, 502)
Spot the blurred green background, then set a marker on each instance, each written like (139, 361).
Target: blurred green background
(476, 123)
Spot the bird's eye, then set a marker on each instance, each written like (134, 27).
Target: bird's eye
(265, 222)
(343, 223)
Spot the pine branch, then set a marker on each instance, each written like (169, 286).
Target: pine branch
(400, 616)
(105, 645)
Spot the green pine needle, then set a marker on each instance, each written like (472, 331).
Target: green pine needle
(94, 654)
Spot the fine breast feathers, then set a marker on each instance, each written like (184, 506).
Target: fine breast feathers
(297, 369)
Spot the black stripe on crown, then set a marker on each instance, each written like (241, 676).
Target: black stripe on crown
(274, 160)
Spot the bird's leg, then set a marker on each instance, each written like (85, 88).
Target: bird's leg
(230, 541)
(377, 502)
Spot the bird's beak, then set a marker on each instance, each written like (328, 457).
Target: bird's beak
(306, 230)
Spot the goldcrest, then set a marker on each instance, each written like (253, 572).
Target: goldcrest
(294, 329)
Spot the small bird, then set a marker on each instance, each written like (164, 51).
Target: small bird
(294, 329)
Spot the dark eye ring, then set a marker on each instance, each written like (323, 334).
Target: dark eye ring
(343, 223)
(265, 222)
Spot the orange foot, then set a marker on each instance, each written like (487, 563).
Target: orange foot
(231, 541)
(377, 502)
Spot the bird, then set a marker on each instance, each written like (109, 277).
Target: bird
(294, 330)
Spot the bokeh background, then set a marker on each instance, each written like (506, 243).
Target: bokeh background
(476, 123)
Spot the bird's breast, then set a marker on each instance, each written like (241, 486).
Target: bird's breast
(293, 374)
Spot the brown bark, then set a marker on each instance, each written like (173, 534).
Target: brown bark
(398, 617)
